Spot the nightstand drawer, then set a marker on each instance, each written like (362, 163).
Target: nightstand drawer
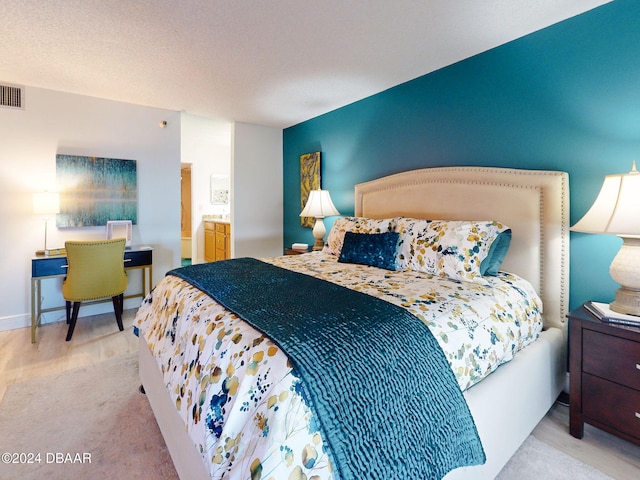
(612, 405)
(622, 356)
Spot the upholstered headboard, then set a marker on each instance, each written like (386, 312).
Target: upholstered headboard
(533, 203)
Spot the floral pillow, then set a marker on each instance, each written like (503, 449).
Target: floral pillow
(451, 248)
(356, 225)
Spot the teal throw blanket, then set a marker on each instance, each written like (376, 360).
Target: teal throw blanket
(386, 401)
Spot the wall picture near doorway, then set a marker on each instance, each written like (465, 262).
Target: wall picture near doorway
(219, 189)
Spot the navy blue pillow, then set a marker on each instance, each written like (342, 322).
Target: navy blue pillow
(374, 249)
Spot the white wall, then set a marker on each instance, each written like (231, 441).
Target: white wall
(55, 122)
(256, 191)
(206, 145)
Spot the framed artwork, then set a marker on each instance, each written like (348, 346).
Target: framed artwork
(309, 180)
(94, 190)
(219, 185)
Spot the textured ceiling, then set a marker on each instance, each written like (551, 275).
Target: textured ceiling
(275, 63)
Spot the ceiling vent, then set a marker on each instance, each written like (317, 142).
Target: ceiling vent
(11, 96)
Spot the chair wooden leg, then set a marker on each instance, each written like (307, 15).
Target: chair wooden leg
(118, 308)
(74, 319)
(68, 305)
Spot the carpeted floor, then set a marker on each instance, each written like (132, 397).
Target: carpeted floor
(535, 460)
(87, 423)
(92, 423)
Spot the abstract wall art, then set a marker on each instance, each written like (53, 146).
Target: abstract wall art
(94, 190)
(309, 180)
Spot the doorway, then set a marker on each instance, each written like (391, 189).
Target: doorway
(185, 214)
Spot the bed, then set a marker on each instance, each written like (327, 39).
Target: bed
(505, 405)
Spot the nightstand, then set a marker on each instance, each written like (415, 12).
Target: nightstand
(604, 367)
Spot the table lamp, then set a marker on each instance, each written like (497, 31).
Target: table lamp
(319, 205)
(46, 203)
(616, 211)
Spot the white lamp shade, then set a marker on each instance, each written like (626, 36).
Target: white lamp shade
(319, 205)
(46, 203)
(617, 207)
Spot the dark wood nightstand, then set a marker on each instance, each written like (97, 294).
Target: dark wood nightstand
(604, 367)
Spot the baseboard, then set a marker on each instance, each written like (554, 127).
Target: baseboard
(23, 320)
(12, 322)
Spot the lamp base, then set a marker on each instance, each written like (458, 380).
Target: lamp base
(625, 270)
(627, 301)
(318, 232)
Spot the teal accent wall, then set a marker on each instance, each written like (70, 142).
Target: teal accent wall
(563, 98)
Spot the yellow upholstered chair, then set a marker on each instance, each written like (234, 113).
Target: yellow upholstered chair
(95, 271)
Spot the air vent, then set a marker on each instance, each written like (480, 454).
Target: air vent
(11, 96)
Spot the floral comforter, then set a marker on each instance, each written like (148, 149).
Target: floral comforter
(234, 389)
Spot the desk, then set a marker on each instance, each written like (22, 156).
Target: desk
(55, 266)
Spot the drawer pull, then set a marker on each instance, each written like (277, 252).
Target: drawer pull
(638, 366)
(637, 415)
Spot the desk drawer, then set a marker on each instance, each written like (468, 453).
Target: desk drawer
(138, 258)
(49, 266)
(46, 267)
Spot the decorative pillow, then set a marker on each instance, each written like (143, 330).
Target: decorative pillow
(453, 249)
(356, 225)
(374, 249)
(497, 252)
